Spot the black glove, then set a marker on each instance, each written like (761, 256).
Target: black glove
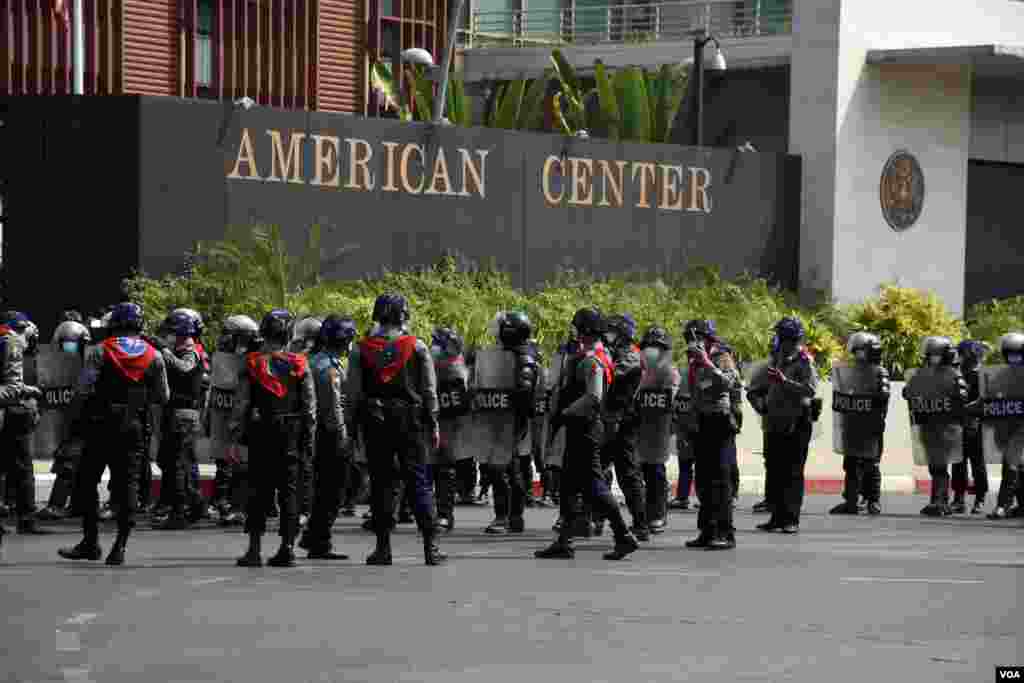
(29, 391)
(155, 342)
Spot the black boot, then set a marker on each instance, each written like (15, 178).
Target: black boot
(845, 508)
(285, 556)
(28, 527)
(87, 549)
(959, 505)
(624, 546)
(381, 556)
(432, 555)
(252, 555)
(116, 556)
(561, 549)
(702, 541)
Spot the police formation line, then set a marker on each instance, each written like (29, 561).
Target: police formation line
(287, 417)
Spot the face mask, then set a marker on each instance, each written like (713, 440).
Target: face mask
(436, 351)
(1014, 358)
(611, 338)
(70, 347)
(652, 356)
(934, 360)
(861, 355)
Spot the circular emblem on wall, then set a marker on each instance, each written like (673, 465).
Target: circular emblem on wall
(902, 191)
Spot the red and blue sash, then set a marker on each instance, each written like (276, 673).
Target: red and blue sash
(606, 363)
(131, 356)
(386, 357)
(269, 368)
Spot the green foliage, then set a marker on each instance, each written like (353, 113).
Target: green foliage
(990, 320)
(458, 109)
(903, 317)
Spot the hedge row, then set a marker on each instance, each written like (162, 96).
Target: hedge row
(467, 298)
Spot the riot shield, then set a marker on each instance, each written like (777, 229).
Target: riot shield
(655, 400)
(1002, 425)
(226, 371)
(858, 412)
(493, 427)
(454, 414)
(539, 421)
(761, 381)
(936, 416)
(56, 372)
(685, 421)
(555, 447)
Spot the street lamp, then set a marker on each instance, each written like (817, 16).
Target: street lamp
(700, 39)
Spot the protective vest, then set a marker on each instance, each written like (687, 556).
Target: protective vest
(386, 368)
(275, 380)
(121, 380)
(186, 388)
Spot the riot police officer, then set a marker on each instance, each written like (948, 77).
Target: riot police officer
(333, 451)
(972, 357)
(179, 422)
(239, 337)
(507, 377)
(392, 388)
(619, 449)
(784, 394)
(305, 340)
(19, 412)
(275, 416)
(1011, 346)
(454, 415)
(937, 395)
(860, 402)
(579, 400)
(120, 379)
(70, 337)
(716, 395)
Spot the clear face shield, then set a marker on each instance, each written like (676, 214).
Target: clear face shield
(861, 355)
(69, 346)
(652, 356)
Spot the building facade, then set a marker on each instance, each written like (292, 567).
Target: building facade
(291, 54)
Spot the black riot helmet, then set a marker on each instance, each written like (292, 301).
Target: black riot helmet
(337, 332)
(656, 337)
(1011, 345)
(514, 329)
(698, 330)
(865, 346)
(71, 336)
(622, 326)
(240, 332)
(972, 353)
(938, 351)
(71, 315)
(276, 326)
(447, 340)
(391, 309)
(126, 317)
(588, 322)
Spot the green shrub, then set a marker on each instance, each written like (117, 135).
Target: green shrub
(990, 320)
(903, 317)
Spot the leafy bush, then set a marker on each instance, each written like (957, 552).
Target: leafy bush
(991, 320)
(902, 318)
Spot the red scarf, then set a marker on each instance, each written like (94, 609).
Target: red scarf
(691, 375)
(606, 363)
(267, 368)
(450, 360)
(130, 355)
(201, 350)
(4, 330)
(393, 354)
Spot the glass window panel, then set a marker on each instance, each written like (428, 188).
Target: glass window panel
(390, 8)
(205, 19)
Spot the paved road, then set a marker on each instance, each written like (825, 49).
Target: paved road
(864, 599)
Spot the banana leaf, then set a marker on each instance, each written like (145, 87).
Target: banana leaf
(423, 89)
(664, 102)
(556, 108)
(383, 81)
(499, 95)
(576, 116)
(612, 120)
(531, 113)
(508, 110)
(636, 113)
(458, 110)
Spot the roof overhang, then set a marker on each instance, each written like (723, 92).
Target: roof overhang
(987, 60)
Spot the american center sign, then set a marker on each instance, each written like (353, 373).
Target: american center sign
(418, 169)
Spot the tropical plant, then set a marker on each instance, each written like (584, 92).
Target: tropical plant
(519, 104)
(632, 104)
(457, 110)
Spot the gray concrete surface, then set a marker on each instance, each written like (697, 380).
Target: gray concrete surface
(898, 597)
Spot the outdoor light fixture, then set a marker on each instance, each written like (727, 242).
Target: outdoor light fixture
(417, 55)
(245, 103)
(700, 40)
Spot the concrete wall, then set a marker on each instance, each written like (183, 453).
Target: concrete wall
(837, 100)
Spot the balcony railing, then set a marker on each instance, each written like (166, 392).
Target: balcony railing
(627, 22)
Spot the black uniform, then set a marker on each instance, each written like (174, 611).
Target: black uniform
(972, 449)
(275, 414)
(120, 380)
(19, 415)
(392, 387)
(180, 429)
(619, 449)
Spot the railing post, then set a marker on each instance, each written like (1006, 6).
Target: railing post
(657, 22)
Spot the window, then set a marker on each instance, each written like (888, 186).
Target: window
(397, 25)
(204, 43)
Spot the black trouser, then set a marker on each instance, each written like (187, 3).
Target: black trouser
(112, 441)
(357, 479)
(466, 474)
(509, 491)
(331, 466)
(940, 483)
(146, 462)
(685, 479)
(526, 472)
(787, 457)
(582, 474)
(716, 453)
(307, 484)
(620, 451)
(769, 472)
(734, 477)
(863, 478)
(656, 493)
(443, 475)
(974, 456)
(16, 461)
(1010, 487)
(395, 455)
(274, 464)
(176, 457)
